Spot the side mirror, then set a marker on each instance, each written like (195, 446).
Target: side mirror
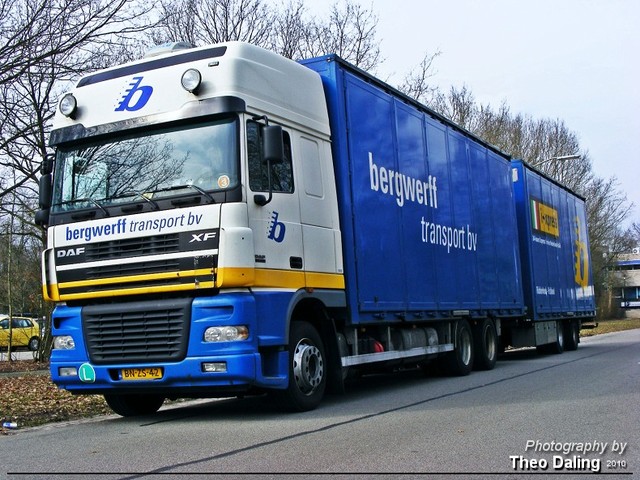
(47, 165)
(272, 144)
(42, 217)
(272, 154)
(45, 184)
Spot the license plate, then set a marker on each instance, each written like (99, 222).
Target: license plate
(141, 373)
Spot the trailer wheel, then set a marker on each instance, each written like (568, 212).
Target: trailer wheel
(135, 404)
(307, 369)
(459, 362)
(557, 346)
(485, 343)
(572, 334)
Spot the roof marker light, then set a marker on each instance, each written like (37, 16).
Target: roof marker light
(191, 80)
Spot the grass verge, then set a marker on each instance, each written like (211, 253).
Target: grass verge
(610, 326)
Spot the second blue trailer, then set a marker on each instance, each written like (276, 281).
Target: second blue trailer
(554, 254)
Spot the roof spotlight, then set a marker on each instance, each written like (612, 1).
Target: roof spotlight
(191, 80)
(68, 105)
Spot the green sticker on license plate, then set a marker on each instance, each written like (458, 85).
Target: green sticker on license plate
(141, 373)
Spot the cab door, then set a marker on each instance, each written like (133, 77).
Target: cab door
(276, 226)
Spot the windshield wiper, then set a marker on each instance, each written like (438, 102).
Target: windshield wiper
(202, 192)
(89, 200)
(143, 196)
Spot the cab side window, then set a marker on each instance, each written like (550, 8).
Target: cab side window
(281, 174)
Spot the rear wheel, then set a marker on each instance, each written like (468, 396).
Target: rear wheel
(557, 346)
(572, 335)
(134, 404)
(307, 369)
(485, 342)
(459, 362)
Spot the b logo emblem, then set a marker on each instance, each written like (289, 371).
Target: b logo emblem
(276, 229)
(140, 93)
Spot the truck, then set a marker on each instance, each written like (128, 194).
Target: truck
(223, 221)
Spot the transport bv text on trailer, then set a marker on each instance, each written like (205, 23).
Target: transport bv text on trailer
(223, 220)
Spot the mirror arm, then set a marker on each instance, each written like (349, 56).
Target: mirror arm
(260, 199)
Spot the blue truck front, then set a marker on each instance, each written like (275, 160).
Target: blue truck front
(175, 347)
(142, 305)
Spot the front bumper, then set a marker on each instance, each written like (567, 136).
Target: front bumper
(88, 368)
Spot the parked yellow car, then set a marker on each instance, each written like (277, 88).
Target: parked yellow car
(25, 332)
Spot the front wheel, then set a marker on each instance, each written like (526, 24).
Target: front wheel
(307, 369)
(135, 404)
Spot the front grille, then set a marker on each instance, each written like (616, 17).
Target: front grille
(125, 269)
(137, 332)
(132, 247)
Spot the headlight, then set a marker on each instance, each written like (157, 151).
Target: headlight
(191, 80)
(226, 334)
(64, 342)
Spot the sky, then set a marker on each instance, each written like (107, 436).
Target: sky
(573, 60)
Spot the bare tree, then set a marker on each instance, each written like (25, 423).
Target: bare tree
(33, 32)
(350, 32)
(175, 24)
(291, 30)
(416, 84)
(43, 45)
(43, 42)
(635, 232)
(201, 22)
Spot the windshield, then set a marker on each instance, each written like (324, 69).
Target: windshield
(162, 163)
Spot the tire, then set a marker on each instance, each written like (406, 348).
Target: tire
(135, 404)
(572, 335)
(459, 362)
(557, 347)
(485, 345)
(34, 344)
(307, 369)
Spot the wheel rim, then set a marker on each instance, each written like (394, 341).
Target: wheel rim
(308, 366)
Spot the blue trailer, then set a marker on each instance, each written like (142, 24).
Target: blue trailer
(427, 211)
(556, 268)
(225, 221)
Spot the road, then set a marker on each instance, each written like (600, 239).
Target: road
(395, 426)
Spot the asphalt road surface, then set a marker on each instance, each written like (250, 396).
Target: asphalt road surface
(575, 415)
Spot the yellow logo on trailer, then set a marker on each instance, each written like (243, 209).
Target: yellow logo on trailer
(581, 266)
(544, 218)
